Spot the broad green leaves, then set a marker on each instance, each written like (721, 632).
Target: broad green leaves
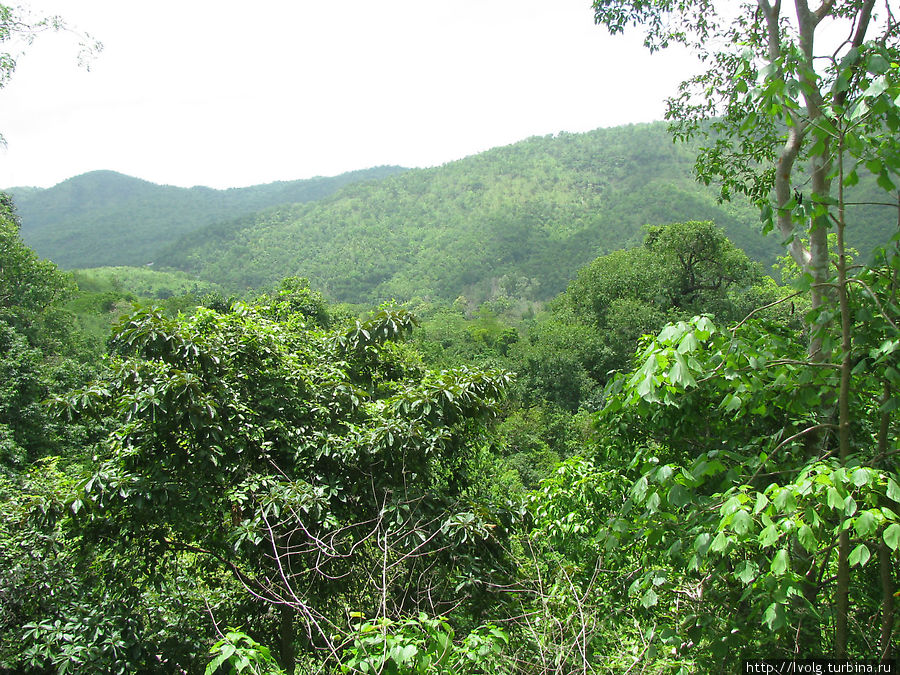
(730, 493)
(238, 653)
(423, 645)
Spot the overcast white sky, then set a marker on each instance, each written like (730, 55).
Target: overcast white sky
(226, 93)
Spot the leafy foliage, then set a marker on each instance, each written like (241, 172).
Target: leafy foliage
(734, 496)
(619, 297)
(423, 645)
(289, 454)
(237, 653)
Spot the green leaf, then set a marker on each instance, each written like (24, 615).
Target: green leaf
(647, 387)
(866, 523)
(742, 522)
(649, 599)
(893, 490)
(781, 562)
(859, 556)
(639, 491)
(773, 617)
(885, 183)
(834, 499)
(213, 665)
(680, 374)
(877, 64)
(861, 476)
(688, 344)
(860, 109)
(732, 505)
(678, 496)
(702, 542)
(746, 571)
(785, 501)
(405, 654)
(807, 538)
(875, 166)
(892, 536)
(768, 536)
(705, 328)
(878, 86)
(731, 402)
(719, 543)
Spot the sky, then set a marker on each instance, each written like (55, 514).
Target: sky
(228, 94)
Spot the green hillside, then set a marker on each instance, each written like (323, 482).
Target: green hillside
(106, 218)
(519, 219)
(141, 281)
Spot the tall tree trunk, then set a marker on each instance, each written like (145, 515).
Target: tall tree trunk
(886, 572)
(885, 558)
(286, 637)
(841, 632)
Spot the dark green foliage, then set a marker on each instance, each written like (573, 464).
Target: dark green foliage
(424, 645)
(535, 438)
(280, 465)
(37, 344)
(729, 448)
(680, 269)
(518, 221)
(23, 385)
(104, 218)
(28, 285)
(557, 361)
(45, 598)
(449, 337)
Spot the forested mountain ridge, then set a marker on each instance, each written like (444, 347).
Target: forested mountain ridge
(517, 220)
(107, 218)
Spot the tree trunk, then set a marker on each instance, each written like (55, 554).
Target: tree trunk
(286, 635)
(886, 571)
(885, 558)
(841, 632)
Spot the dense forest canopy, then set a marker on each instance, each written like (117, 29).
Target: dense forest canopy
(674, 463)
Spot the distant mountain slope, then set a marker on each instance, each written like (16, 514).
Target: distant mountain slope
(106, 218)
(519, 219)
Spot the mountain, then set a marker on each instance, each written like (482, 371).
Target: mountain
(518, 220)
(107, 218)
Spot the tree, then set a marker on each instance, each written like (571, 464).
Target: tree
(316, 466)
(37, 341)
(778, 86)
(18, 29)
(792, 122)
(680, 270)
(28, 285)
